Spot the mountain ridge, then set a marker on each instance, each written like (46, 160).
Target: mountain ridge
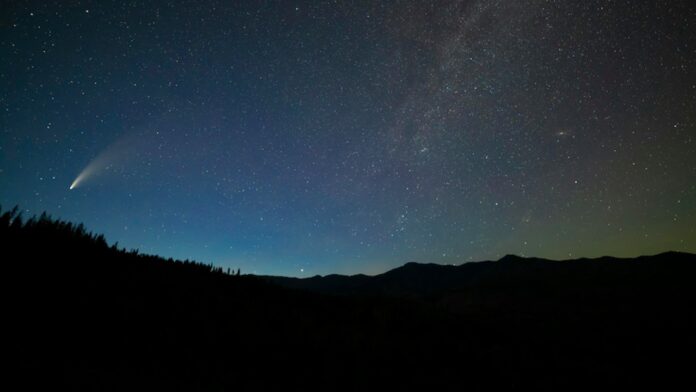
(417, 279)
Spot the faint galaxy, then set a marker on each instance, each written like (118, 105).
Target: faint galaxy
(303, 138)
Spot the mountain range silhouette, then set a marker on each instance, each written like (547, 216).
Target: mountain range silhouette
(81, 315)
(417, 280)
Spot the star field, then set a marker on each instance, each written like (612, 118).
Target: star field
(303, 138)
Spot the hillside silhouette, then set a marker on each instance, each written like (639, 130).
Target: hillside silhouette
(529, 276)
(82, 315)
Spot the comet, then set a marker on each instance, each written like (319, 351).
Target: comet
(81, 177)
(119, 153)
(96, 166)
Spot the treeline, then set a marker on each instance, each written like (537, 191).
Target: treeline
(65, 236)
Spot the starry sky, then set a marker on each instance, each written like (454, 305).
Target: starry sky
(301, 138)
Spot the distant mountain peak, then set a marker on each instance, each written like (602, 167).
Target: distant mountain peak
(510, 258)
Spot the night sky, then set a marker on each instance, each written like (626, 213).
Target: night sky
(302, 138)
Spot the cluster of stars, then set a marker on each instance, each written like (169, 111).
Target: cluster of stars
(300, 138)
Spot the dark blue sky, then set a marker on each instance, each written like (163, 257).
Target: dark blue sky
(299, 138)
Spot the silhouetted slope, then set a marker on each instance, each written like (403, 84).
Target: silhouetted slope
(81, 315)
(85, 316)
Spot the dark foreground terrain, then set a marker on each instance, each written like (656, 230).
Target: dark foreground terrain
(81, 315)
